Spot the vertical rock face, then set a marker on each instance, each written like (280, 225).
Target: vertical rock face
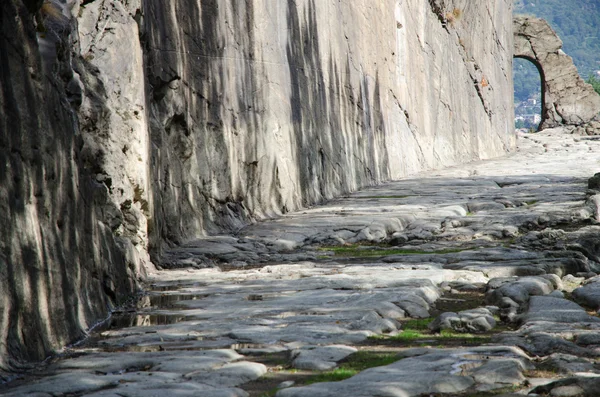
(61, 265)
(125, 125)
(567, 99)
(263, 106)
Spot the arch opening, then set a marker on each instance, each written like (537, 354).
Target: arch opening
(530, 93)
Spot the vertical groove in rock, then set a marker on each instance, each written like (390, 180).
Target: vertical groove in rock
(136, 125)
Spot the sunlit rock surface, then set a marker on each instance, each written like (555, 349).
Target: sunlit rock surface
(129, 126)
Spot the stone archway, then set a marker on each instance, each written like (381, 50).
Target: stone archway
(567, 100)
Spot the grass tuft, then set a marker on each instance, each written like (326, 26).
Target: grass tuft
(334, 375)
(445, 336)
(354, 364)
(417, 324)
(364, 359)
(358, 251)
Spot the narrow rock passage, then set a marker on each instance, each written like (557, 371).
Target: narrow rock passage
(472, 281)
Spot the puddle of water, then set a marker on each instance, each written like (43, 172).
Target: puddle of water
(173, 287)
(126, 320)
(164, 301)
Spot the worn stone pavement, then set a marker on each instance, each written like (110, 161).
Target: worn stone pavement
(518, 236)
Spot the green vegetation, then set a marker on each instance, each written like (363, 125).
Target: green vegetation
(416, 332)
(334, 375)
(362, 252)
(520, 123)
(419, 324)
(595, 82)
(354, 364)
(412, 336)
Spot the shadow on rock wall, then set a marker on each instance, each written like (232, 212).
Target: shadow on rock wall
(189, 153)
(60, 267)
(241, 130)
(339, 137)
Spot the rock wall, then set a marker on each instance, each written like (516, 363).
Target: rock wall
(61, 265)
(130, 124)
(567, 99)
(261, 107)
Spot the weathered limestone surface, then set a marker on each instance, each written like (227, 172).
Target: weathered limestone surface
(239, 327)
(61, 266)
(567, 99)
(263, 107)
(129, 124)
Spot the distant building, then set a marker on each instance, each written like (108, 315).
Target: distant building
(528, 120)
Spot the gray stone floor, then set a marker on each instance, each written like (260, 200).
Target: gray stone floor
(518, 236)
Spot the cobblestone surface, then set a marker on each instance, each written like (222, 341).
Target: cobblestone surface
(315, 286)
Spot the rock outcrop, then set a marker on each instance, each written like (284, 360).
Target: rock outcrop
(261, 108)
(127, 125)
(62, 266)
(218, 331)
(567, 100)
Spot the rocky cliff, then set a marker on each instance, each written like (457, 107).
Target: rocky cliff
(129, 125)
(62, 266)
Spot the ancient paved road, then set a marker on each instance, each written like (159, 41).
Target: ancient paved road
(497, 256)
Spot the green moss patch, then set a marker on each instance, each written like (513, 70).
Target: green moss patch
(354, 364)
(416, 333)
(334, 375)
(375, 251)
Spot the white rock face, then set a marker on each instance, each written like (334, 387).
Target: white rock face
(160, 121)
(210, 115)
(113, 119)
(264, 107)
